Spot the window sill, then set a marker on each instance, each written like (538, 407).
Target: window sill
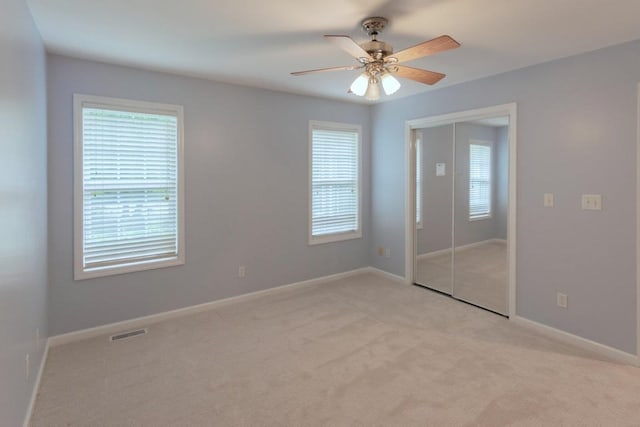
(93, 273)
(480, 218)
(330, 238)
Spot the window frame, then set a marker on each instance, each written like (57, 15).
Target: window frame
(341, 236)
(120, 104)
(489, 215)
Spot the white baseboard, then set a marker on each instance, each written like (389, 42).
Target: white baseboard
(138, 322)
(386, 275)
(36, 386)
(609, 352)
(459, 248)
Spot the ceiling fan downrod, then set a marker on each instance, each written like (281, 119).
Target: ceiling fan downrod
(377, 49)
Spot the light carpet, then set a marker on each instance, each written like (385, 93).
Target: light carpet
(363, 351)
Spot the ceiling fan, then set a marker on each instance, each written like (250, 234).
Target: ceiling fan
(381, 64)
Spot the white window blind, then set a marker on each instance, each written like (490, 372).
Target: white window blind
(130, 187)
(419, 182)
(335, 205)
(479, 181)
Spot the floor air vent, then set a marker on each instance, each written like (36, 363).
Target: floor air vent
(128, 334)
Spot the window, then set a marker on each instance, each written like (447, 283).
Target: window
(479, 180)
(334, 156)
(128, 186)
(419, 181)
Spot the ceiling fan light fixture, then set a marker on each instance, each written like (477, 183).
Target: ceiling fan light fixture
(390, 84)
(380, 62)
(360, 84)
(373, 90)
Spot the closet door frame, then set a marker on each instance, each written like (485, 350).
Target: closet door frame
(509, 110)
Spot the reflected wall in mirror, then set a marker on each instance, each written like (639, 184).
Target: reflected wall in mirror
(434, 207)
(481, 200)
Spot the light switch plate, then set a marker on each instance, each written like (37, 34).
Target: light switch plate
(441, 169)
(592, 202)
(548, 200)
(561, 300)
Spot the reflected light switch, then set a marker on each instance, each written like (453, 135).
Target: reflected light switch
(441, 169)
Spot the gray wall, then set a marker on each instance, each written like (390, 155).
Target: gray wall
(438, 190)
(437, 195)
(246, 194)
(23, 207)
(577, 121)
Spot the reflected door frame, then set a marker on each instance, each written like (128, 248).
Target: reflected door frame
(509, 110)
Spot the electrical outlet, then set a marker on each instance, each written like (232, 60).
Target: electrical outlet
(387, 253)
(242, 271)
(592, 202)
(561, 300)
(380, 250)
(26, 367)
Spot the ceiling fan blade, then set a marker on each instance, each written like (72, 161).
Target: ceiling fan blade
(347, 44)
(439, 44)
(423, 76)
(322, 70)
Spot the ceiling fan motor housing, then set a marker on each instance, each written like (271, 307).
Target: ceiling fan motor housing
(377, 49)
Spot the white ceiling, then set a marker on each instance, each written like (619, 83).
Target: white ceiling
(258, 43)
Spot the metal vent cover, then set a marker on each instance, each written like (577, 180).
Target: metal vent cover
(129, 334)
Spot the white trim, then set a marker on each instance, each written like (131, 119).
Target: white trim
(79, 101)
(138, 322)
(479, 217)
(459, 248)
(512, 201)
(454, 212)
(36, 386)
(420, 144)
(386, 275)
(410, 248)
(451, 118)
(638, 229)
(583, 343)
(335, 237)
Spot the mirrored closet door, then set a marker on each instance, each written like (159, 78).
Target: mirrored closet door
(462, 186)
(434, 207)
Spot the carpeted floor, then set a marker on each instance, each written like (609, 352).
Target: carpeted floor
(362, 351)
(480, 275)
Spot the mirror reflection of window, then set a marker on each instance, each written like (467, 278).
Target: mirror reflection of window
(479, 181)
